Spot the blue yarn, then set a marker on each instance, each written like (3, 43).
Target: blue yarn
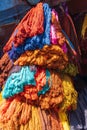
(46, 87)
(16, 82)
(36, 42)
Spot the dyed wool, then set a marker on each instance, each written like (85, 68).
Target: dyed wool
(36, 42)
(19, 115)
(70, 94)
(64, 120)
(55, 95)
(60, 38)
(4, 61)
(14, 69)
(17, 81)
(30, 25)
(33, 92)
(46, 99)
(47, 93)
(36, 83)
(71, 69)
(5, 66)
(4, 74)
(15, 111)
(49, 56)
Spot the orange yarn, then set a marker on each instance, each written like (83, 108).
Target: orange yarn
(31, 25)
(49, 56)
(31, 92)
(55, 95)
(15, 110)
(55, 122)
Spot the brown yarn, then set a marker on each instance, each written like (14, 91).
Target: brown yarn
(55, 122)
(55, 95)
(49, 57)
(5, 72)
(4, 61)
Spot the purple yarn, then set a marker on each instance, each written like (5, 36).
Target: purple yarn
(14, 69)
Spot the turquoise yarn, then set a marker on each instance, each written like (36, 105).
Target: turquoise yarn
(16, 82)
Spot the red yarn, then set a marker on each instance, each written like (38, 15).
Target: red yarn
(31, 92)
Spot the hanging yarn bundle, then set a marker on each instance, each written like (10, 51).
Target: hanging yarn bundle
(49, 56)
(37, 41)
(28, 27)
(35, 69)
(70, 94)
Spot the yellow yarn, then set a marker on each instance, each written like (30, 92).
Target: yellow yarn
(0, 97)
(71, 69)
(35, 123)
(64, 120)
(70, 94)
(84, 26)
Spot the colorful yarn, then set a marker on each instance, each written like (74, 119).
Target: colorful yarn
(17, 113)
(55, 122)
(33, 92)
(36, 42)
(50, 57)
(5, 72)
(14, 69)
(58, 30)
(46, 99)
(0, 97)
(53, 35)
(47, 86)
(30, 25)
(16, 82)
(55, 95)
(71, 69)
(64, 120)
(70, 94)
(31, 87)
(4, 61)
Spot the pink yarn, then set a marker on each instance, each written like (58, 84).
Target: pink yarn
(53, 36)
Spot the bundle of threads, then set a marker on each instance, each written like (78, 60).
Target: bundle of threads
(35, 69)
